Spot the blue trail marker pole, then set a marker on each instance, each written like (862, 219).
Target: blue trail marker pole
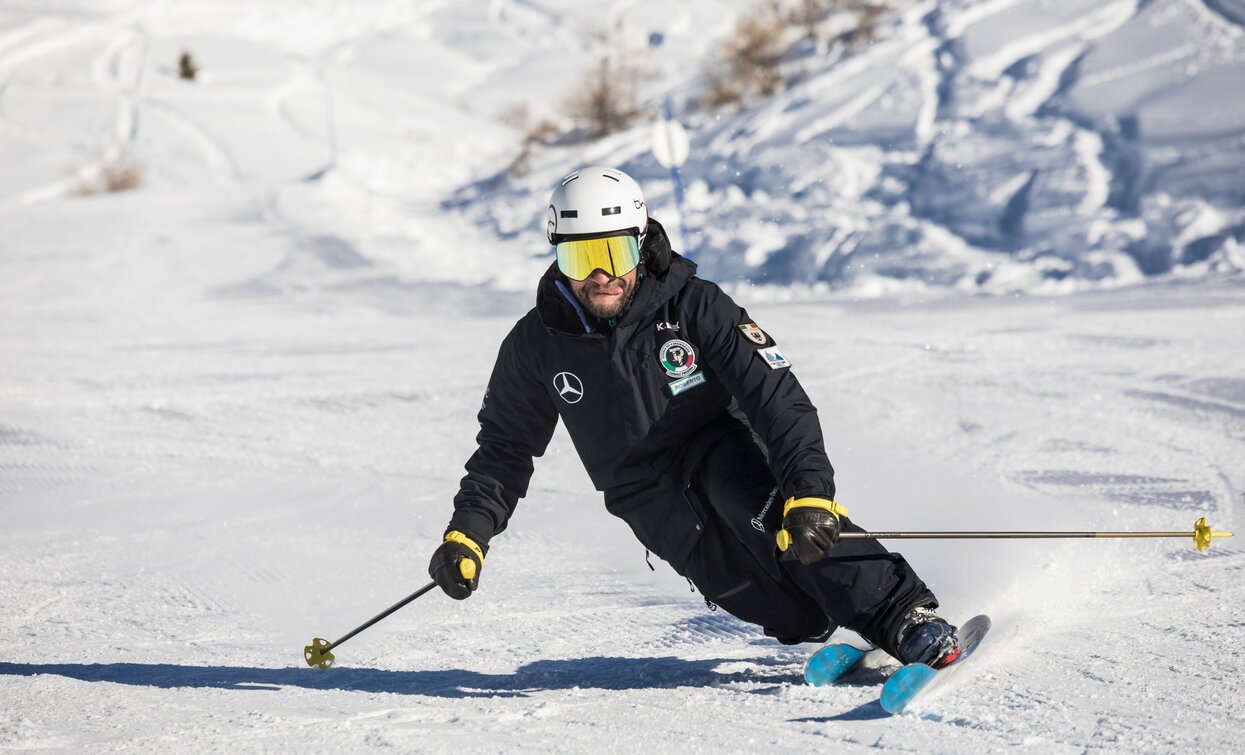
(677, 179)
(670, 148)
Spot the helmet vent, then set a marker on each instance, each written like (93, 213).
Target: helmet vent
(570, 213)
(611, 175)
(570, 178)
(611, 210)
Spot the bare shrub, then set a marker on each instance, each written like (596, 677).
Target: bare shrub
(861, 29)
(536, 134)
(187, 69)
(123, 176)
(607, 99)
(113, 171)
(865, 32)
(809, 15)
(748, 60)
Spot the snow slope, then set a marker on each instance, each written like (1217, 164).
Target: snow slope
(235, 404)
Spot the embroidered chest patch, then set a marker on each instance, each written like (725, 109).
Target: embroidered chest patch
(678, 358)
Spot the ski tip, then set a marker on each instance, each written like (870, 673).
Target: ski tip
(909, 683)
(972, 632)
(904, 685)
(981, 622)
(830, 663)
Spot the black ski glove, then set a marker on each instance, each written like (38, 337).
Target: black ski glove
(810, 528)
(456, 565)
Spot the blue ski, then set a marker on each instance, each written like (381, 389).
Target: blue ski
(833, 662)
(910, 683)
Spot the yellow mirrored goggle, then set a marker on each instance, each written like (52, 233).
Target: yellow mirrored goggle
(616, 255)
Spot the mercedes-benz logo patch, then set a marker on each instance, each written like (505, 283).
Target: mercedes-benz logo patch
(569, 387)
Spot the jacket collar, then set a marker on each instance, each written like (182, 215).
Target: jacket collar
(561, 312)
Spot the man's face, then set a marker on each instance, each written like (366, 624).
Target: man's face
(602, 295)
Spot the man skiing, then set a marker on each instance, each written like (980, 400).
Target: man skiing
(688, 417)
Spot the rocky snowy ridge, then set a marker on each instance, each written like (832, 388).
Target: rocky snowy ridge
(982, 146)
(1013, 145)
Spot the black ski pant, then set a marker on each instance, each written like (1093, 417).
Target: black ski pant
(727, 548)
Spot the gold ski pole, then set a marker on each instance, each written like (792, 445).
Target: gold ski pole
(317, 653)
(1202, 535)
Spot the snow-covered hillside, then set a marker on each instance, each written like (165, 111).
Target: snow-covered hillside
(235, 402)
(984, 146)
(992, 146)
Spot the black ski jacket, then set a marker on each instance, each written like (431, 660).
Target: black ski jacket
(642, 400)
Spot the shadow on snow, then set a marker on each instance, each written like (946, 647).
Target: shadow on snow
(593, 673)
(869, 711)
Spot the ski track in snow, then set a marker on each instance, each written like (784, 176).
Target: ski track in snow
(235, 407)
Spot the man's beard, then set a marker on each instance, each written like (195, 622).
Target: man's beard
(611, 307)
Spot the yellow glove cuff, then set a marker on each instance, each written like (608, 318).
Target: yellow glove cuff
(466, 566)
(834, 507)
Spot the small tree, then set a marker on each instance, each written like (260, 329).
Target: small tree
(122, 175)
(809, 15)
(535, 135)
(187, 70)
(748, 60)
(866, 29)
(607, 99)
(113, 170)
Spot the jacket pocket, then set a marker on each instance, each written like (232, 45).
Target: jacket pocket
(662, 516)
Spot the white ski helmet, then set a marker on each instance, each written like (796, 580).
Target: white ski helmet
(596, 201)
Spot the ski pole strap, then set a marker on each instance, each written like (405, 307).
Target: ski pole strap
(834, 507)
(466, 567)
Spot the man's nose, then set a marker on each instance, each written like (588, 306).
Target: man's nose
(600, 277)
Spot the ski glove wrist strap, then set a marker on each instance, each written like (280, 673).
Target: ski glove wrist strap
(810, 528)
(834, 507)
(466, 565)
(456, 565)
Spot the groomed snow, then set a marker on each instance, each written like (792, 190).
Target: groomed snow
(235, 403)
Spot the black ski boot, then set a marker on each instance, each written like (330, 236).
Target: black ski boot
(925, 637)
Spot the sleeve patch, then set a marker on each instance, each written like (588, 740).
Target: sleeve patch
(753, 333)
(774, 358)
